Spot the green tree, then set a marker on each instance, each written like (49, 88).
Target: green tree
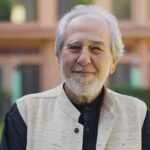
(84, 1)
(5, 9)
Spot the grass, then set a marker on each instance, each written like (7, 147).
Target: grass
(1, 128)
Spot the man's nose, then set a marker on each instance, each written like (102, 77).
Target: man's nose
(84, 57)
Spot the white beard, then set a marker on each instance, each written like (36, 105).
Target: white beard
(83, 86)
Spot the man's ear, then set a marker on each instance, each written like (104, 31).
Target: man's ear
(113, 65)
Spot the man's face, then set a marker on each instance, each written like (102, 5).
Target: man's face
(86, 59)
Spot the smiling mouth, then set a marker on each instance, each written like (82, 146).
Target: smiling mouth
(83, 73)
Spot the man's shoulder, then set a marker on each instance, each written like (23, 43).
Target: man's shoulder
(45, 95)
(33, 103)
(128, 105)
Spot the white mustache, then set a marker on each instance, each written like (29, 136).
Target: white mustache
(83, 69)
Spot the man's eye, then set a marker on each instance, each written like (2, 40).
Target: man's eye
(74, 48)
(96, 49)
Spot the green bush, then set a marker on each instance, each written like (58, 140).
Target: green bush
(5, 9)
(84, 1)
(4, 102)
(4, 106)
(143, 94)
(1, 128)
(3, 93)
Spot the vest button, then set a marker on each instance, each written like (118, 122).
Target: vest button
(76, 130)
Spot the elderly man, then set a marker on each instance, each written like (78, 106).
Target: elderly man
(81, 113)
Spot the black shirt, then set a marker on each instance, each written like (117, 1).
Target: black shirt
(89, 119)
(15, 131)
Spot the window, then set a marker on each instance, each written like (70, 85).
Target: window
(66, 5)
(121, 76)
(121, 9)
(128, 49)
(19, 50)
(30, 77)
(18, 11)
(125, 76)
(135, 76)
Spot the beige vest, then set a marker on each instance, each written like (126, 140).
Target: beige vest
(51, 121)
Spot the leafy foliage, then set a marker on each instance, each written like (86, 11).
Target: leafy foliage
(4, 102)
(84, 1)
(1, 128)
(5, 9)
(143, 94)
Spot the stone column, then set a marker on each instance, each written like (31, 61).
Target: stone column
(142, 48)
(47, 12)
(140, 11)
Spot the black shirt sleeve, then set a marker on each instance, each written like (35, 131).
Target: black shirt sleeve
(146, 132)
(15, 131)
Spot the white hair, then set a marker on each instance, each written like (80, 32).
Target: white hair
(116, 45)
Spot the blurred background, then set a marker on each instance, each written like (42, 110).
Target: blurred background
(27, 59)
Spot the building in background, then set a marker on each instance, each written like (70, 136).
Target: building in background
(27, 30)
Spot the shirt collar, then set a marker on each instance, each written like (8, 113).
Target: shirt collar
(94, 106)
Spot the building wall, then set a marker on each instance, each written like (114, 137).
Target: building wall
(136, 35)
(33, 44)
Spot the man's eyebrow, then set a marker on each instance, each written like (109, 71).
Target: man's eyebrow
(100, 42)
(95, 42)
(73, 42)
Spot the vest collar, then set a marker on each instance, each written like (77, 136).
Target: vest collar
(106, 120)
(69, 108)
(66, 105)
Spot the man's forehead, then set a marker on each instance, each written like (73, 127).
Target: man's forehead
(91, 19)
(79, 41)
(88, 27)
(88, 23)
